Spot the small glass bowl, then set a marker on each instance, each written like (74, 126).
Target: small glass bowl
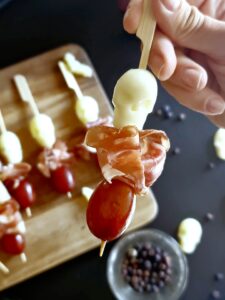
(123, 291)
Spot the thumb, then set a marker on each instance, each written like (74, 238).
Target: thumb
(189, 28)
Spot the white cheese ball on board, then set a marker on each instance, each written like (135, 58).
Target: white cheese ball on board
(10, 147)
(134, 98)
(43, 130)
(87, 109)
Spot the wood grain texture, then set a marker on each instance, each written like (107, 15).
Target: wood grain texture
(57, 231)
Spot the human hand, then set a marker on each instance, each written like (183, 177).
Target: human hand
(188, 51)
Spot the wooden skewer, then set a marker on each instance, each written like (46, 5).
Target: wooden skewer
(3, 129)
(69, 195)
(3, 268)
(70, 80)
(145, 32)
(28, 212)
(102, 248)
(25, 92)
(23, 257)
(2, 123)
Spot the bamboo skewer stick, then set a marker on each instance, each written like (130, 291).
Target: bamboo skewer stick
(23, 257)
(102, 248)
(28, 212)
(2, 123)
(145, 32)
(3, 268)
(25, 93)
(70, 80)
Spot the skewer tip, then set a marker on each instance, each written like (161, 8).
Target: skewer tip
(28, 212)
(102, 248)
(23, 257)
(69, 195)
(3, 268)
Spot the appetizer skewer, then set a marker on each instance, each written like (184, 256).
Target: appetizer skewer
(12, 226)
(131, 159)
(86, 107)
(16, 182)
(54, 159)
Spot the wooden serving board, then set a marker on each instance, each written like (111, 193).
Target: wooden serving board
(57, 231)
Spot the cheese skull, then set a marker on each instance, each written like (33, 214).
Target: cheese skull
(134, 98)
(219, 143)
(189, 235)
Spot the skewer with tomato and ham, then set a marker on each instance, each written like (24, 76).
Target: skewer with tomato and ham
(86, 107)
(54, 160)
(131, 159)
(12, 227)
(15, 173)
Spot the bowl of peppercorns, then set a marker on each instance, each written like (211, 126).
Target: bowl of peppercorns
(147, 264)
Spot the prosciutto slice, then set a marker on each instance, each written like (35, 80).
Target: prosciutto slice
(14, 171)
(51, 159)
(9, 216)
(133, 156)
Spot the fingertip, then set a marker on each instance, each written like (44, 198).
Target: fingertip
(132, 16)
(128, 24)
(206, 101)
(214, 106)
(162, 58)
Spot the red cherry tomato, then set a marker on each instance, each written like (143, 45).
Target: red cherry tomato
(110, 209)
(63, 180)
(23, 192)
(13, 243)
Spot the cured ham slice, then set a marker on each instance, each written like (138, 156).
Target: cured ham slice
(53, 158)
(14, 171)
(132, 156)
(9, 216)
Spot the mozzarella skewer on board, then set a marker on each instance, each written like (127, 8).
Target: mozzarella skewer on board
(17, 184)
(86, 107)
(53, 160)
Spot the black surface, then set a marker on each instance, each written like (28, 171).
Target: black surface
(3, 3)
(186, 188)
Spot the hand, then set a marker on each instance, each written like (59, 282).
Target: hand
(188, 51)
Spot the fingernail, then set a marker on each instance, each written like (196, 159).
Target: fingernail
(171, 5)
(158, 66)
(193, 79)
(215, 106)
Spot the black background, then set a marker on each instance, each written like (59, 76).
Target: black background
(186, 188)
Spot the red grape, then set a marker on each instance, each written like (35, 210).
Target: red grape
(110, 209)
(62, 179)
(13, 243)
(23, 192)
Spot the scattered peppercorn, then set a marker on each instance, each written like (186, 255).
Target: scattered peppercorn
(166, 107)
(211, 165)
(216, 294)
(181, 117)
(159, 112)
(147, 268)
(209, 217)
(168, 114)
(219, 276)
(176, 151)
